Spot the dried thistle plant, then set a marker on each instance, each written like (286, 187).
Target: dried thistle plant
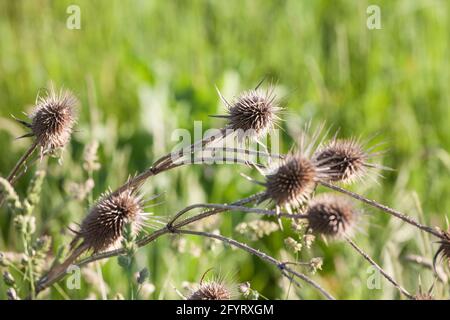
(293, 181)
(347, 159)
(104, 225)
(52, 120)
(444, 250)
(213, 289)
(290, 184)
(253, 113)
(331, 215)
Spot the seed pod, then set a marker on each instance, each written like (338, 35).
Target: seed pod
(104, 226)
(252, 114)
(293, 182)
(53, 118)
(331, 215)
(444, 249)
(212, 290)
(346, 159)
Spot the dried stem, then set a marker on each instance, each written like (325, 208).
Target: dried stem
(167, 162)
(245, 151)
(227, 207)
(384, 273)
(12, 175)
(282, 266)
(386, 209)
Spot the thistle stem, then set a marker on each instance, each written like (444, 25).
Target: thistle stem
(282, 266)
(386, 209)
(167, 162)
(384, 273)
(12, 175)
(22, 160)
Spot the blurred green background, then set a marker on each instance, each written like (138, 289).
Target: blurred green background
(144, 68)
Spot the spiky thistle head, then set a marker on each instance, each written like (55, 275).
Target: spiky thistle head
(331, 215)
(104, 225)
(346, 159)
(252, 113)
(292, 182)
(211, 290)
(444, 249)
(53, 118)
(423, 296)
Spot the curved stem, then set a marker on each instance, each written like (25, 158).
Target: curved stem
(384, 273)
(386, 209)
(12, 175)
(22, 160)
(236, 208)
(282, 266)
(167, 162)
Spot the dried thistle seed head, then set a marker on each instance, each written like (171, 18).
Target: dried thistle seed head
(444, 249)
(53, 118)
(331, 215)
(423, 296)
(104, 226)
(211, 290)
(346, 159)
(253, 113)
(293, 181)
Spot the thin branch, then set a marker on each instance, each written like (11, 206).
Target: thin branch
(380, 269)
(12, 175)
(228, 207)
(260, 254)
(386, 209)
(167, 162)
(245, 151)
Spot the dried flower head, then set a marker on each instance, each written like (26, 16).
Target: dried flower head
(52, 119)
(331, 215)
(293, 181)
(211, 290)
(104, 226)
(444, 250)
(253, 113)
(346, 159)
(423, 296)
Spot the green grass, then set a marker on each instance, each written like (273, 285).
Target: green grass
(143, 69)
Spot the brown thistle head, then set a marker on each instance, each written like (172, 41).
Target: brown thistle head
(423, 296)
(104, 225)
(331, 215)
(346, 159)
(444, 249)
(253, 113)
(214, 289)
(293, 181)
(211, 290)
(53, 118)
